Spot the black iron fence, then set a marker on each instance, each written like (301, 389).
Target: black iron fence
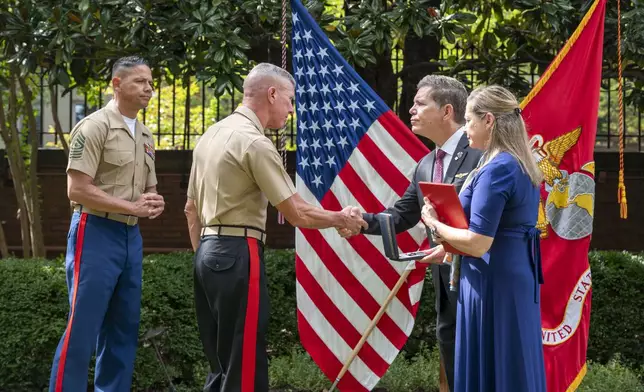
(166, 113)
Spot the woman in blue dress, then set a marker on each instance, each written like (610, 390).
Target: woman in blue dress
(498, 324)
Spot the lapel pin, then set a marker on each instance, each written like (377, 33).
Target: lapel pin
(458, 155)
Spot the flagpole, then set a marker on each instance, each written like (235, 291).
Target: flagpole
(282, 137)
(371, 326)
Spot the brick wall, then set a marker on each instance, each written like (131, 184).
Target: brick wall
(169, 231)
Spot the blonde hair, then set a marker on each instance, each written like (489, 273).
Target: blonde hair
(508, 132)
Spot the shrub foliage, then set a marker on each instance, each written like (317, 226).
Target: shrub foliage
(34, 307)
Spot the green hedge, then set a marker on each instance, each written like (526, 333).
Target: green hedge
(34, 308)
(617, 310)
(420, 374)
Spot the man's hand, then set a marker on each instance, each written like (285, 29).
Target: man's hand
(157, 203)
(435, 255)
(345, 233)
(354, 222)
(148, 205)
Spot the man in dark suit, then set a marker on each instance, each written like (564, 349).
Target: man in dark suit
(438, 114)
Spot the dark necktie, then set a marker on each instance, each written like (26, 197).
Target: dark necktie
(438, 166)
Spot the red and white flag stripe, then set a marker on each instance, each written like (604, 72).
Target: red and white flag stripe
(342, 283)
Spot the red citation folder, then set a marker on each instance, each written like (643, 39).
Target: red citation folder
(448, 207)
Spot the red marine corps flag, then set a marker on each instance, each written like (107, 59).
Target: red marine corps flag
(561, 115)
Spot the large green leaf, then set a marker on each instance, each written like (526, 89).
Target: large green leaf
(217, 38)
(62, 78)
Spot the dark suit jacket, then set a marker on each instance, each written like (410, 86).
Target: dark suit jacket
(406, 212)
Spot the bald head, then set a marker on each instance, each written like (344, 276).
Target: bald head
(266, 75)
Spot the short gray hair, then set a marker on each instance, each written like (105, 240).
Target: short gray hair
(447, 90)
(126, 63)
(262, 70)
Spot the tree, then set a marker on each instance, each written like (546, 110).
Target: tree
(40, 38)
(500, 41)
(73, 44)
(14, 147)
(22, 147)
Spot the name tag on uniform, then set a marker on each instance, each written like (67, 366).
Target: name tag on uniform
(149, 150)
(461, 175)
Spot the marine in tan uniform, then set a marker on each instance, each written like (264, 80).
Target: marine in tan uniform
(236, 172)
(111, 183)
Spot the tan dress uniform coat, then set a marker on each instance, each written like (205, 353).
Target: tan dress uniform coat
(103, 148)
(236, 172)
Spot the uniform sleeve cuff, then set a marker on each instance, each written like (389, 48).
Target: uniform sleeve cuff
(81, 168)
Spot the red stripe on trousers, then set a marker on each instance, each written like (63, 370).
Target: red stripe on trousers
(78, 252)
(341, 324)
(249, 348)
(326, 360)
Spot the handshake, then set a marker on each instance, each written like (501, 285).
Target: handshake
(353, 222)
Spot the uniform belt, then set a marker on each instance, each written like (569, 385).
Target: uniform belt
(235, 231)
(129, 220)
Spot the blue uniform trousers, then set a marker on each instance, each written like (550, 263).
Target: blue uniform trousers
(104, 270)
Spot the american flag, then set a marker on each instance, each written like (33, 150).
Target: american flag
(352, 150)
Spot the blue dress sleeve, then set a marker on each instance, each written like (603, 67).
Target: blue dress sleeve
(491, 191)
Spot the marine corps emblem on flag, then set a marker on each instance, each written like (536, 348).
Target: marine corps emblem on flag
(149, 150)
(568, 208)
(561, 115)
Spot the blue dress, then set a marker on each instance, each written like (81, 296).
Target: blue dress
(498, 322)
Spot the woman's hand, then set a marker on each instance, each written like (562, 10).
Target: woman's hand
(429, 213)
(430, 218)
(435, 255)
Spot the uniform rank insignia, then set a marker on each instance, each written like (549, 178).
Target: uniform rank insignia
(77, 147)
(149, 150)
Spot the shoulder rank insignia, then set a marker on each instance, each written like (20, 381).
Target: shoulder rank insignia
(77, 146)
